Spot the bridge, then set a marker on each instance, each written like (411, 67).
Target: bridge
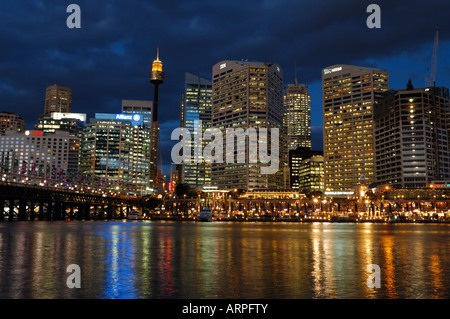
(32, 202)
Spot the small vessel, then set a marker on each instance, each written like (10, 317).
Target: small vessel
(134, 215)
(205, 215)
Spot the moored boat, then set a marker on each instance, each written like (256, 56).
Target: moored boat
(205, 215)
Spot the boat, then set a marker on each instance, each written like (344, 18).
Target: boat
(205, 215)
(134, 215)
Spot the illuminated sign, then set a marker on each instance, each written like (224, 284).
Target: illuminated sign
(440, 185)
(278, 68)
(338, 193)
(135, 119)
(328, 71)
(77, 116)
(34, 133)
(222, 66)
(124, 117)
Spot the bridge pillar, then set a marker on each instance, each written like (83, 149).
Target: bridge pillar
(57, 211)
(84, 212)
(41, 211)
(109, 214)
(71, 212)
(50, 211)
(2, 209)
(88, 212)
(31, 210)
(79, 215)
(11, 210)
(22, 210)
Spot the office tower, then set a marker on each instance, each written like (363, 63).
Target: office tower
(57, 99)
(11, 122)
(297, 116)
(196, 111)
(156, 78)
(296, 162)
(349, 93)
(144, 108)
(37, 154)
(310, 175)
(116, 150)
(412, 137)
(246, 95)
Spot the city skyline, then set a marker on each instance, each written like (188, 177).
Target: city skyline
(104, 63)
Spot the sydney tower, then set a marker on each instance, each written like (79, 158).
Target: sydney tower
(157, 78)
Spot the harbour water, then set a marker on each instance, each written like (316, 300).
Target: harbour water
(221, 260)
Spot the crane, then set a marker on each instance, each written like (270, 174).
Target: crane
(430, 80)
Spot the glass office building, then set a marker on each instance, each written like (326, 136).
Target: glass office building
(196, 116)
(116, 151)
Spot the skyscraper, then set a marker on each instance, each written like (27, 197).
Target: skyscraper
(297, 116)
(196, 110)
(349, 93)
(116, 149)
(246, 95)
(412, 137)
(57, 99)
(156, 78)
(144, 108)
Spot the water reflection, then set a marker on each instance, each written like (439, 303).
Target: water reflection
(223, 260)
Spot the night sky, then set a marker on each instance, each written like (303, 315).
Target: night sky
(108, 59)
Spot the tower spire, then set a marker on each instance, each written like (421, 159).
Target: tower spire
(295, 73)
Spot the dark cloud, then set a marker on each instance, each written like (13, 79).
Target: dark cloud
(109, 58)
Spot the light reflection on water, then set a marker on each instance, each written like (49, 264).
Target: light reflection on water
(144, 259)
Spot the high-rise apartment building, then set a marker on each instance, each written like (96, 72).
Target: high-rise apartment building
(196, 117)
(11, 122)
(246, 95)
(412, 137)
(349, 93)
(57, 99)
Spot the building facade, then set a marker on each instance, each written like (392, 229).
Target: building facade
(412, 137)
(11, 122)
(311, 175)
(246, 95)
(116, 151)
(297, 116)
(297, 158)
(50, 156)
(196, 117)
(144, 108)
(349, 93)
(57, 99)
(70, 122)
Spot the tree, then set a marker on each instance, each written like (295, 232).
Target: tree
(185, 189)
